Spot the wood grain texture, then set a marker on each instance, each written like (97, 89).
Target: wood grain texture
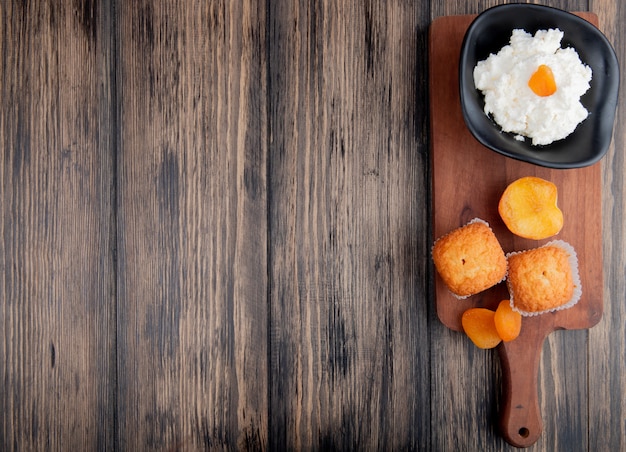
(607, 342)
(215, 234)
(57, 311)
(348, 222)
(192, 309)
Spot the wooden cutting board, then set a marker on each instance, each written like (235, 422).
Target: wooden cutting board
(467, 182)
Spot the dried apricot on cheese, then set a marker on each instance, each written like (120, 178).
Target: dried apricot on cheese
(508, 322)
(479, 325)
(542, 81)
(529, 208)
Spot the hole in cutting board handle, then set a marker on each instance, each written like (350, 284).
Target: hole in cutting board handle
(524, 432)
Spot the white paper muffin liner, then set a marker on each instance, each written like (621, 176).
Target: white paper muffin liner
(473, 220)
(573, 262)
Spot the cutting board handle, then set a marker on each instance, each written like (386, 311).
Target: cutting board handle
(520, 416)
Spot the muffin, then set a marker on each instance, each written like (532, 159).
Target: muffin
(544, 279)
(469, 259)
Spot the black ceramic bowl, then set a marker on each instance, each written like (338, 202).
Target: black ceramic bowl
(491, 31)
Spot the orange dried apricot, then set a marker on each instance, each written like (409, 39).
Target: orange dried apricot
(508, 322)
(479, 325)
(529, 208)
(542, 82)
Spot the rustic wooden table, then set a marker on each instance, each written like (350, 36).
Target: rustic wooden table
(215, 233)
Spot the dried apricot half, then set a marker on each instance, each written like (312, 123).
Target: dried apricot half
(542, 81)
(529, 208)
(480, 327)
(508, 322)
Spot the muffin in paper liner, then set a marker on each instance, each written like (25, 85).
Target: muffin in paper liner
(469, 259)
(544, 279)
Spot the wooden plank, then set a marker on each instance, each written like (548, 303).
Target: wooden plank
(57, 311)
(192, 225)
(607, 342)
(468, 180)
(348, 226)
(463, 7)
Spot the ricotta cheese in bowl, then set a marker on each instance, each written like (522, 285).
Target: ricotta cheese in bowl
(532, 87)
